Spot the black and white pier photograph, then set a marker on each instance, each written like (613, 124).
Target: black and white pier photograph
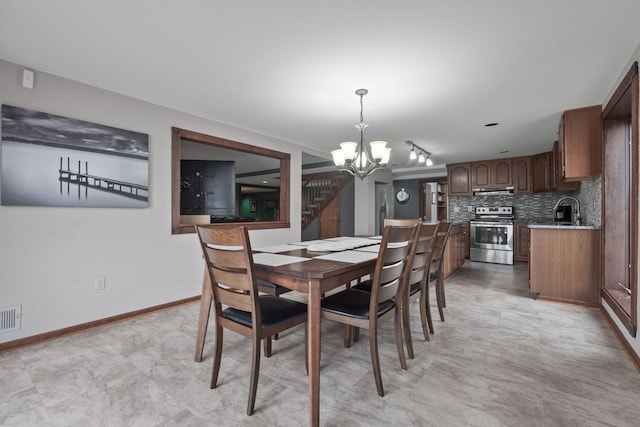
(50, 160)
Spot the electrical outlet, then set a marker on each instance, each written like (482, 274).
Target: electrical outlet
(456, 209)
(469, 208)
(99, 283)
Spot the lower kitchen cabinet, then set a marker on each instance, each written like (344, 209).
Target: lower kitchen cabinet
(521, 241)
(564, 264)
(454, 255)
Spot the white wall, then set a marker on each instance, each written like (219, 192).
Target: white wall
(50, 256)
(633, 341)
(365, 201)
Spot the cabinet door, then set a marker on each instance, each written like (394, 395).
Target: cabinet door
(581, 143)
(481, 174)
(540, 169)
(459, 177)
(521, 167)
(467, 240)
(522, 241)
(501, 173)
(557, 183)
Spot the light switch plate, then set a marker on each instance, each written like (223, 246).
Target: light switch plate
(27, 79)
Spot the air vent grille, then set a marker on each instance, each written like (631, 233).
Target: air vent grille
(10, 318)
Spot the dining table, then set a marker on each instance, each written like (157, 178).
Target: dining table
(313, 268)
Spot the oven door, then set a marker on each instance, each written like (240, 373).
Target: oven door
(492, 235)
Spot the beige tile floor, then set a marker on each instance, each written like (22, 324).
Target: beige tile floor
(499, 359)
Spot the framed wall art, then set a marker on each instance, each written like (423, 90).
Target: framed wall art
(50, 160)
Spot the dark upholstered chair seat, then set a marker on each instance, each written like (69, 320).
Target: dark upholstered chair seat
(273, 310)
(271, 288)
(364, 286)
(354, 303)
(414, 288)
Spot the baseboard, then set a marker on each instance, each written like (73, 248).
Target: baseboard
(635, 359)
(47, 336)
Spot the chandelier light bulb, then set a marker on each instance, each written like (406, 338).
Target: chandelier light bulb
(413, 155)
(421, 158)
(429, 161)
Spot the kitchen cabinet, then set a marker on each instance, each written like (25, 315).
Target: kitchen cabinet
(540, 170)
(521, 174)
(557, 183)
(521, 241)
(441, 195)
(481, 174)
(467, 241)
(491, 174)
(455, 251)
(564, 264)
(459, 179)
(580, 143)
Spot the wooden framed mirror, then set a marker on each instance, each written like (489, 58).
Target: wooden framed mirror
(225, 182)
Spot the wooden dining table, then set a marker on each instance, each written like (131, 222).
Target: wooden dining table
(313, 277)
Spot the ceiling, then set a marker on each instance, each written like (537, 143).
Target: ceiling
(436, 71)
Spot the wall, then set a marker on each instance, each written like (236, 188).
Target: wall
(49, 257)
(365, 204)
(411, 209)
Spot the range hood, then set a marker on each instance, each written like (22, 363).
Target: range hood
(492, 191)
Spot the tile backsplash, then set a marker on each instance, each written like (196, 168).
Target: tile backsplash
(534, 207)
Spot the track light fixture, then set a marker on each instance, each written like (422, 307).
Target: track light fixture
(423, 155)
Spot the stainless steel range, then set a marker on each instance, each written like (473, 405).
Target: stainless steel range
(492, 234)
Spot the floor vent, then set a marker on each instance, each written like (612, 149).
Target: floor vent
(10, 318)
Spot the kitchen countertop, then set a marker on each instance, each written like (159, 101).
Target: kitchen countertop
(556, 226)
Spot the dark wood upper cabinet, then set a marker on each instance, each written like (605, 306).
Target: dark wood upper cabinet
(481, 174)
(581, 143)
(556, 182)
(540, 171)
(521, 173)
(491, 174)
(501, 173)
(459, 179)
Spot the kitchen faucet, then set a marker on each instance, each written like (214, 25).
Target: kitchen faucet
(578, 217)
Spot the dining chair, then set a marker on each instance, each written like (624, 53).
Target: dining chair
(436, 272)
(229, 262)
(416, 284)
(361, 309)
(415, 281)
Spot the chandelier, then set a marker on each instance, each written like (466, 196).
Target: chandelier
(356, 159)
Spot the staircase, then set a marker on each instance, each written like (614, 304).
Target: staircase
(318, 190)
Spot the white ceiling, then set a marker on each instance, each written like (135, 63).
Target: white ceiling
(436, 71)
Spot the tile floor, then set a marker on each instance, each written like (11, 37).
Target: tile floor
(500, 359)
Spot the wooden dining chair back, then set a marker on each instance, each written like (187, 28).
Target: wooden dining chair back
(355, 307)
(229, 262)
(416, 283)
(437, 263)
